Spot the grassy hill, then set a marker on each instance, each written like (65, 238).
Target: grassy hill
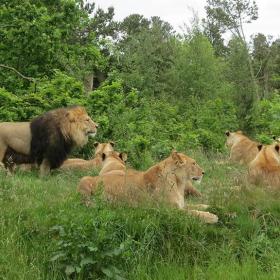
(46, 233)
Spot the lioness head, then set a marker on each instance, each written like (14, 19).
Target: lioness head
(233, 137)
(122, 157)
(186, 167)
(80, 125)
(103, 147)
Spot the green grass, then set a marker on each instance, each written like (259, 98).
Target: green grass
(45, 231)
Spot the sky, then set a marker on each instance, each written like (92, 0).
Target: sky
(178, 12)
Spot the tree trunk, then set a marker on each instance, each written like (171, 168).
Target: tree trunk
(88, 83)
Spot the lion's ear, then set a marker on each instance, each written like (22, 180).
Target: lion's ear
(95, 144)
(260, 147)
(112, 143)
(239, 131)
(227, 133)
(70, 116)
(174, 154)
(123, 156)
(176, 157)
(277, 148)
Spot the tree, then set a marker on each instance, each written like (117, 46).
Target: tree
(212, 31)
(275, 65)
(243, 89)
(262, 62)
(145, 53)
(39, 36)
(196, 72)
(230, 15)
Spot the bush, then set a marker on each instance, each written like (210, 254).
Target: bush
(266, 117)
(9, 106)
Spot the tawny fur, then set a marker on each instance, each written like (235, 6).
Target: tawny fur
(113, 161)
(15, 135)
(190, 190)
(94, 163)
(242, 149)
(265, 168)
(164, 181)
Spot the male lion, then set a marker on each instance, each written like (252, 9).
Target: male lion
(47, 139)
(96, 162)
(242, 149)
(163, 181)
(265, 168)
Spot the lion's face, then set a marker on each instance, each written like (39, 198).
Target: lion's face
(81, 125)
(105, 148)
(186, 167)
(87, 125)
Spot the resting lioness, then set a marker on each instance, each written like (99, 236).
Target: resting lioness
(113, 162)
(265, 168)
(242, 149)
(164, 181)
(94, 163)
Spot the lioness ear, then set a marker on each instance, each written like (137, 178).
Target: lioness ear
(260, 147)
(176, 157)
(277, 148)
(95, 144)
(71, 116)
(123, 156)
(227, 133)
(239, 131)
(112, 143)
(103, 156)
(174, 154)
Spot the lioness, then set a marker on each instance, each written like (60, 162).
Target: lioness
(242, 149)
(113, 161)
(163, 181)
(96, 162)
(47, 139)
(265, 168)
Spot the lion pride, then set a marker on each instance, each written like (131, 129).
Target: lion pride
(265, 168)
(47, 139)
(164, 181)
(242, 149)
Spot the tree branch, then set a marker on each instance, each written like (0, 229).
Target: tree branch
(21, 75)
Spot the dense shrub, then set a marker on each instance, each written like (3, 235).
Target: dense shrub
(266, 117)
(9, 106)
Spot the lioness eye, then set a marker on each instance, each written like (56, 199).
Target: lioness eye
(194, 163)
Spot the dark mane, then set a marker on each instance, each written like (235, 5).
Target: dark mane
(48, 141)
